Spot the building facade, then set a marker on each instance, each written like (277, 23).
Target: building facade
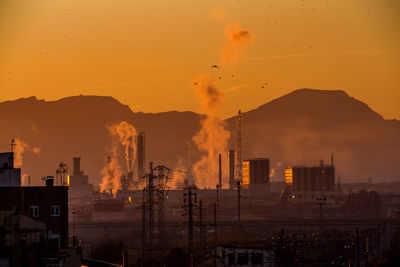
(308, 179)
(256, 171)
(9, 176)
(47, 204)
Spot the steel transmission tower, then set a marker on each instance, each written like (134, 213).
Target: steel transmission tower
(154, 194)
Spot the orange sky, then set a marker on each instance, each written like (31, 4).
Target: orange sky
(146, 53)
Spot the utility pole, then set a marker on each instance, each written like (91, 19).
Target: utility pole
(238, 199)
(188, 198)
(321, 202)
(144, 229)
(357, 247)
(217, 186)
(215, 220)
(74, 236)
(202, 234)
(220, 171)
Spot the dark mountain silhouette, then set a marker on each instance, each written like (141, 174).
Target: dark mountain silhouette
(299, 128)
(306, 126)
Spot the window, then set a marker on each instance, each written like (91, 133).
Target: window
(231, 258)
(34, 211)
(55, 210)
(256, 258)
(243, 258)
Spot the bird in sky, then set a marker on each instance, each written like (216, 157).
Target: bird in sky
(215, 66)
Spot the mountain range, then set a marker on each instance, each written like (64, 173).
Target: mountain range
(300, 128)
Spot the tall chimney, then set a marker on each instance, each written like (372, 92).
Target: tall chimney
(220, 172)
(77, 165)
(231, 169)
(49, 181)
(141, 154)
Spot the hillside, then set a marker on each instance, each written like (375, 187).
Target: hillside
(299, 128)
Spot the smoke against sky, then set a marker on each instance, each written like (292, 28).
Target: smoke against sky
(213, 137)
(238, 40)
(127, 134)
(20, 148)
(123, 134)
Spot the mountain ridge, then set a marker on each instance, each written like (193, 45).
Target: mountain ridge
(301, 127)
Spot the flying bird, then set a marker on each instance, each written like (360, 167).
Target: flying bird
(195, 84)
(215, 66)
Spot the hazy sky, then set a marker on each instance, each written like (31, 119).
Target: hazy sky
(146, 53)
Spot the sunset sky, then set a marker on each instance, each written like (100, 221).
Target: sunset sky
(146, 53)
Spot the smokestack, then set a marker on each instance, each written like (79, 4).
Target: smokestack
(77, 165)
(220, 172)
(11, 160)
(231, 169)
(332, 159)
(49, 181)
(141, 154)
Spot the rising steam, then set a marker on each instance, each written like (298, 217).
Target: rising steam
(179, 175)
(126, 134)
(111, 173)
(123, 134)
(238, 40)
(212, 139)
(19, 150)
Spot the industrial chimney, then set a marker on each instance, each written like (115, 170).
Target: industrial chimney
(231, 169)
(141, 154)
(77, 165)
(220, 172)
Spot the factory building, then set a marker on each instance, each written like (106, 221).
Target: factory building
(80, 189)
(9, 176)
(309, 179)
(256, 173)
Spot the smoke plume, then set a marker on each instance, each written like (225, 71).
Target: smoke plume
(123, 134)
(238, 40)
(179, 175)
(212, 139)
(126, 134)
(19, 150)
(111, 174)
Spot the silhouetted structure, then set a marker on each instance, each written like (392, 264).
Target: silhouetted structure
(80, 189)
(9, 176)
(47, 204)
(239, 147)
(256, 171)
(141, 154)
(306, 179)
(231, 169)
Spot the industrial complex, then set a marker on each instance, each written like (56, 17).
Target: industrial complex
(245, 219)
